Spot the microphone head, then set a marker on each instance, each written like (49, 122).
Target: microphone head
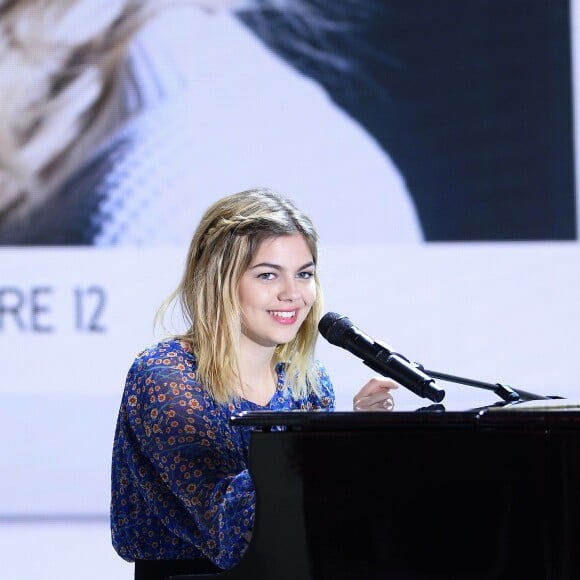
(334, 326)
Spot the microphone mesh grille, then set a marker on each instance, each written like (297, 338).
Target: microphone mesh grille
(333, 327)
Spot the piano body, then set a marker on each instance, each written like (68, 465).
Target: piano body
(425, 495)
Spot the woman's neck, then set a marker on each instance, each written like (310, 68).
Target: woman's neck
(258, 377)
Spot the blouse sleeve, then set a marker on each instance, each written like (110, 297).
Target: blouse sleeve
(323, 397)
(195, 478)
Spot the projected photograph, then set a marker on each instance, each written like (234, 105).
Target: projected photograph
(386, 120)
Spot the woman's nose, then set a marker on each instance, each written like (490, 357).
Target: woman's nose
(289, 291)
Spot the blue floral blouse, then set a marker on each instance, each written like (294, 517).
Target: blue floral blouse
(180, 481)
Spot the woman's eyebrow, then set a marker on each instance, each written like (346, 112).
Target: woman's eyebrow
(307, 265)
(278, 267)
(266, 265)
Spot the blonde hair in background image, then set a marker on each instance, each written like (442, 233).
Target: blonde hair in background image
(60, 62)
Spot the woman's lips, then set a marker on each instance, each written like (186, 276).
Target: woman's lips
(284, 316)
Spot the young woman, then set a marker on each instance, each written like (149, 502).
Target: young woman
(182, 497)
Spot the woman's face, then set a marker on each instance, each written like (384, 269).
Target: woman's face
(277, 291)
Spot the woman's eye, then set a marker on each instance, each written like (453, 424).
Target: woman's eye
(266, 276)
(306, 275)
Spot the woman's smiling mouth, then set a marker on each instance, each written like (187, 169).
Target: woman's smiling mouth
(284, 316)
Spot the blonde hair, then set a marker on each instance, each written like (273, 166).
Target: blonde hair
(59, 64)
(221, 250)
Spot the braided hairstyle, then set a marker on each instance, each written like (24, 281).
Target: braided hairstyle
(221, 250)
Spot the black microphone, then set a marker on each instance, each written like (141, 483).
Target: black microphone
(340, 331)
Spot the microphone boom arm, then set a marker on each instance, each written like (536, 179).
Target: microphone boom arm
(340, 331)
(505, 392)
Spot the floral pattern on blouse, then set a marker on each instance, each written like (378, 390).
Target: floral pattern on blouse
(180, 481)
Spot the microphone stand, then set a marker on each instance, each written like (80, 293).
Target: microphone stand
(504, 392)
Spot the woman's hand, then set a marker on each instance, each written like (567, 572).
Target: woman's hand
(375, 396)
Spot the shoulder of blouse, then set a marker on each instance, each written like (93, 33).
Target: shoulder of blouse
(163, 366)
(162, 385)
(165, 351)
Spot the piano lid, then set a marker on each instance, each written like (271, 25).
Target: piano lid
(553, 414)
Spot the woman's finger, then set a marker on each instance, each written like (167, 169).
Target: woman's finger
(376, 385)
(382, 401)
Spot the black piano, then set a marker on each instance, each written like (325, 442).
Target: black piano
(490, 493)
